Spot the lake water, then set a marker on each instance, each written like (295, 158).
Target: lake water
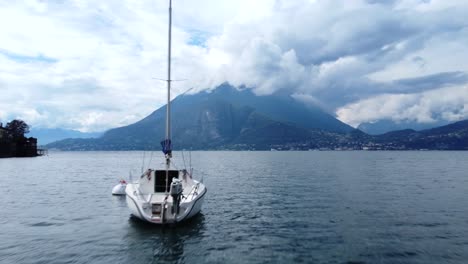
(261, 207)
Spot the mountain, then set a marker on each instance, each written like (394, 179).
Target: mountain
(387, 125)
(449, 137)
(45, 135)
(227, 118)
(279, 107)
(224, 117)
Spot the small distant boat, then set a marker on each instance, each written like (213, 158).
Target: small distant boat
(166, 195)
(119, 189)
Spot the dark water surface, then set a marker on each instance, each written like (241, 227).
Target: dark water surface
(261, 207)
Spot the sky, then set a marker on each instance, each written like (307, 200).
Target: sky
(94, 65)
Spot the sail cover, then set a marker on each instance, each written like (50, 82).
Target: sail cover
(166, 146)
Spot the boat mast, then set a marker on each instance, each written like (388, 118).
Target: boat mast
(167, 145)
(168, 106)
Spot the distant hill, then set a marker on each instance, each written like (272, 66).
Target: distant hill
(224, 117)
(449, 137)
(45, 135)
(386, 125)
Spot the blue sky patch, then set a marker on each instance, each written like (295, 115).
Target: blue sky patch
(198, 38)
(26, 59)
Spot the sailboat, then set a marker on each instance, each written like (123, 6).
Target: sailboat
(166, 195)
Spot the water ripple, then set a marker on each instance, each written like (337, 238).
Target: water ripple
(262, 207)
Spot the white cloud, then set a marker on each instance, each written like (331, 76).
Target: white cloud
(90, 65)
(449, 104)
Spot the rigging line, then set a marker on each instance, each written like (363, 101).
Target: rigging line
(186, 91)
(190, 163)
(143, 162)
(202, 175)
(151, 158)
(130, 175)
(200, 172)
(183, 158)
(190, 159)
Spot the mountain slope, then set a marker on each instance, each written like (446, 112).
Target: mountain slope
(278, 107)
(386, 125)
(47, 135)
(219, 118)
(449, 137)
(227, 118)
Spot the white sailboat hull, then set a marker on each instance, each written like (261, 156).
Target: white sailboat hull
(142, 205)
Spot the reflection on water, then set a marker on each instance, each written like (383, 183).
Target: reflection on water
(164, 243)
(119, 201)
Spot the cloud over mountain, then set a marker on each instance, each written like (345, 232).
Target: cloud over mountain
(90, 65)
(450, 104)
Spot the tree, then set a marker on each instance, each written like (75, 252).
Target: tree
(18, 128)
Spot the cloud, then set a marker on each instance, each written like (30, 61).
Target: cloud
(348, 52)
(432, 81)
(449, 104)
(73, 59)
(90, 65)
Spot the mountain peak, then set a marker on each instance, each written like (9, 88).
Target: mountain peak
(226, 116)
